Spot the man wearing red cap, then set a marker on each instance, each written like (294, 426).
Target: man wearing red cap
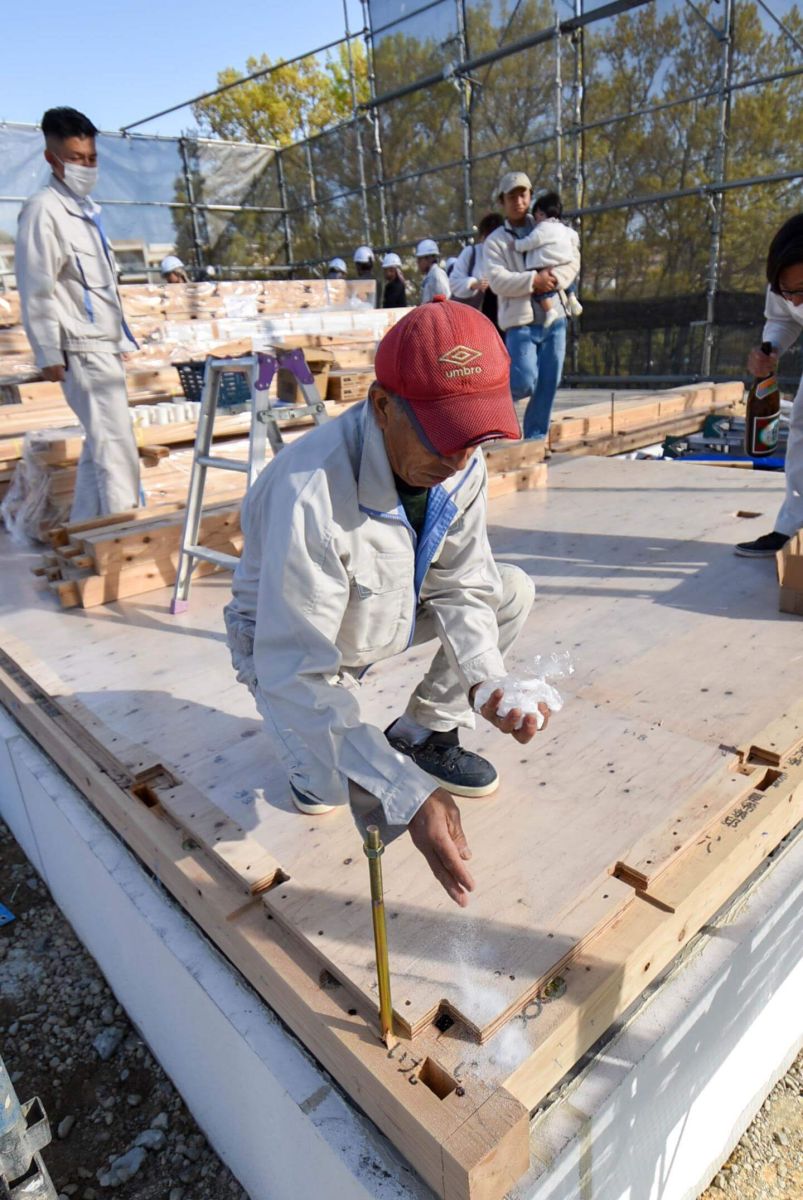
(362, 538)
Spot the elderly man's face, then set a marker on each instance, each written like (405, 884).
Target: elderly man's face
(516, 204)
(408, 456)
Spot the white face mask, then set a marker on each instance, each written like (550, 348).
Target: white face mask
(80, 180)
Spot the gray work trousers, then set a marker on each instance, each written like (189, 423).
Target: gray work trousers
(108, 469)
(439, 702)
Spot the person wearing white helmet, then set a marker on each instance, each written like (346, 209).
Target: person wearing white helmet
(364, 262)
(394, 294)
(364, 268)
(436, 281)
(172, 270)
(336, 269)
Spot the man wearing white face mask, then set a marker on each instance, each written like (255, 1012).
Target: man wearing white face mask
(73, 315)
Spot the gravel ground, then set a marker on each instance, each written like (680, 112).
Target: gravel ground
(767, 1164)
(120, 1127)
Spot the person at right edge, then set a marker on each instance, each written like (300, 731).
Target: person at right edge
(536, 351)
(784, 318)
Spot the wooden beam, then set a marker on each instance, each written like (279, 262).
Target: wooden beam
(468, 1145)
(618, 965)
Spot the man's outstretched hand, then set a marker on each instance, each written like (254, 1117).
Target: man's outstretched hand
(437, 832)
(507, 724)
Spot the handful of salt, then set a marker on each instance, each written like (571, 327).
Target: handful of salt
(526, 694)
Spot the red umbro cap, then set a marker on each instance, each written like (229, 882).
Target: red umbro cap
(451, 366)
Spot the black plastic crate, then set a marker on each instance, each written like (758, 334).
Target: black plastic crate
(234, 387)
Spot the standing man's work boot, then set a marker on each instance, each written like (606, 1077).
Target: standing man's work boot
(460, 771)
(766, 546)
(308, 804)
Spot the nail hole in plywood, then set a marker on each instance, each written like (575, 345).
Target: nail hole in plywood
(438, 1080)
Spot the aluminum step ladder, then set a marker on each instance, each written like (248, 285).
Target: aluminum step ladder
(24, 1131)
(259, 370)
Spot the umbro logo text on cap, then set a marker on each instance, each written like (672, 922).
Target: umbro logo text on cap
(460, 358)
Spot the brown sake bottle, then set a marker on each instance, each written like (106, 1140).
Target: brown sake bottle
(763, 413)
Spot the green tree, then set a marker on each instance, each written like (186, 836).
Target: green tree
(297, 100)
(294, 100)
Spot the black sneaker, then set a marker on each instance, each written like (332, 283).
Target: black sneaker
(766, 546)
(442, 757)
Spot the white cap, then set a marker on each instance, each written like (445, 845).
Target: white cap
(171, 263)
(427, 247)
(211, 272)
(512, 180)
(363, 254)
(337, 264)
(391, 260)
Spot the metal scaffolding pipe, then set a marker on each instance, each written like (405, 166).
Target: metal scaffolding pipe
(366, 220)
(200, 205)
(702, 189)
(379, 164)
(558, 105)
(465, 116)
(720, 168)
(197, 241)
(286, 225)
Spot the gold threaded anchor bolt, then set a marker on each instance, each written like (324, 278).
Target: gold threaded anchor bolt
(373, 851)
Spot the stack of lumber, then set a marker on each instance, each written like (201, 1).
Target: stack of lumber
(333, 321)
(607, 428)
(98, 562)
(349, 385)
(127, 554)
(41, 498)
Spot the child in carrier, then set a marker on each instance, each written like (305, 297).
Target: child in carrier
(556, 246)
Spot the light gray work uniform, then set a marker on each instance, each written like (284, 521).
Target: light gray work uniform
(73, 316)
(332, 578)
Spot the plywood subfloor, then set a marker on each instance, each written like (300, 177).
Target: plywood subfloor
(681, 655)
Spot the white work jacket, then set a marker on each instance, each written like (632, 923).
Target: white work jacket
(436, 283)
(66, 278)
(469, 268)
(330, 579)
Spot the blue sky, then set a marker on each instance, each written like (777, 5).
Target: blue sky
(121, 61)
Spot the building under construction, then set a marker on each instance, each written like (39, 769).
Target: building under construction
(610, 1011)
